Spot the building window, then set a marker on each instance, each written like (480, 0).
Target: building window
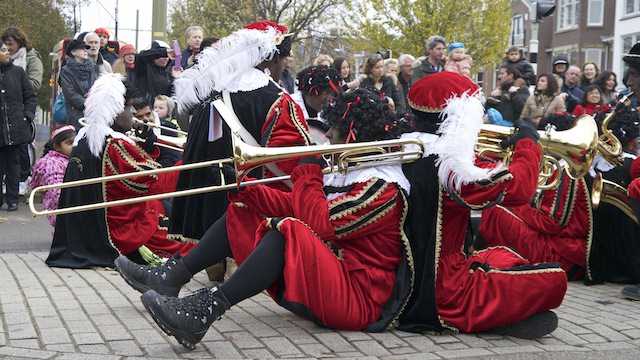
(627, 44)
(595, 13)
(631, 7)
(517, 31)
(594, 56)
(568, 14)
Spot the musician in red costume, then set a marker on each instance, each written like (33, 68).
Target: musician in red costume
(490, 290)
(331, 250)
(556, 227)
(96, 238)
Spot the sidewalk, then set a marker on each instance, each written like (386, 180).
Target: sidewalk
(92, 314)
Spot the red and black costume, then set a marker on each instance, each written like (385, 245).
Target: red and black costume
(487, 289)
(558, 228)
(344, 244)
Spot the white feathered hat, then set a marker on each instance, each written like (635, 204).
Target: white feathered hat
(229, 64)
(105, 101)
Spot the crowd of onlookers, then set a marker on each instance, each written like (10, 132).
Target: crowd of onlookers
(519, 94)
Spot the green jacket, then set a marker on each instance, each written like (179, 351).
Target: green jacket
(34, 69)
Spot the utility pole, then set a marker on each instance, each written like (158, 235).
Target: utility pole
(116, 19)
(75, 21)
(137, 26)
(159, 22)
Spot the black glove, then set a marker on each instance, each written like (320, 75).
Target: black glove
(524, 130)
(318, 160)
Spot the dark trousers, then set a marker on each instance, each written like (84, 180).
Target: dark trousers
(9, 173)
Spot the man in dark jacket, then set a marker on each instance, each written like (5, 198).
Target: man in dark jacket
(17, 111)
(511, 94)
(514, 58)
(153, 71)
(434, 60)
(76, 78)
(571, 87)
(560, 65)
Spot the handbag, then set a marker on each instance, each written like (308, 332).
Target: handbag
(59, 110)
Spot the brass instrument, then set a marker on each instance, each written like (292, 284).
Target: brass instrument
(608, 192)
(154, 125)
(342, 158)
(608, 144)
(168, 142)
(576, 146)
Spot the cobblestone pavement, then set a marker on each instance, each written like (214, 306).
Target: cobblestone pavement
(92, 314)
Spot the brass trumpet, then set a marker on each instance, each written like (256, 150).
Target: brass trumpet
(154, 125)
(341, 158)
(576, 146)
(608, 192)
(608, 144)
(168, 142)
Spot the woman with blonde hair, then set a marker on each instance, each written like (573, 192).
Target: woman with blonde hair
(323, 59)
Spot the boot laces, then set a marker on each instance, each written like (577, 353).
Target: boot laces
(201, 305)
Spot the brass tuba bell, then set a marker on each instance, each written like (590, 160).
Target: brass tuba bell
(576, 146)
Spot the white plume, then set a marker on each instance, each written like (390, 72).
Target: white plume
(220, 66)
(455, 146)
(104, 102)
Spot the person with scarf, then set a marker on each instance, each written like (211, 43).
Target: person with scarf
(76, 78)
(336, 237)
(495, 289)
(23, 55)
(98, 237)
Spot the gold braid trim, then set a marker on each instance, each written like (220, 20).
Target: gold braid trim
(364, 204)
(298, 124)
(590, 233)
(386, 208)
(438, 249)
(181, 238)
(523, 272)
(105, 159)
(131, 185)
(337, 251)
(569, 204)
(346, 198)
(510, 213)
(499, 247)
(138, 166)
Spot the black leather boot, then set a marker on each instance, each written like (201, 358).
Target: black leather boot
(533, 327)
(187, 319)
(166, 279)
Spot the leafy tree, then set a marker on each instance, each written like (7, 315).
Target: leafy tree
(404, 25)
(44, 25)
(221, 17)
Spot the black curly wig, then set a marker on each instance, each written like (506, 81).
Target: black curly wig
(361, 116)
(313, 80)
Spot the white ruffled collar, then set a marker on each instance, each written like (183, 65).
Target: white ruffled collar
(248, 81)
(388, 173)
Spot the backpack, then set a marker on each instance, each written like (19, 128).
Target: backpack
(59, 110)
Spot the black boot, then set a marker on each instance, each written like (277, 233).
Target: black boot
(187, 318)
(534, 327)
(166, 279)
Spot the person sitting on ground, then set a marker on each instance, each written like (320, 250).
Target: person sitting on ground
(311, 246)
(513, 57)
(590, 73)
(608, 82)
(545, 100)
(96, 238)
(591, 103)
(458, 60)
(50, 168)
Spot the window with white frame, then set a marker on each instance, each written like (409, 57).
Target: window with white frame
(593, 55)
(627, 44)
(631, 7)
(517, 31)
(595, 14)
(568, 14)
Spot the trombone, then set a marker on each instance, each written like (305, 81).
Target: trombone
(341, 158)
(154, 125)
(168, 142)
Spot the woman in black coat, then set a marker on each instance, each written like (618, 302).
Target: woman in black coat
(76, 78)
(379, 83)
(17, 111)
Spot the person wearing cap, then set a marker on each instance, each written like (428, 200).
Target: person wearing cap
(102, 148)
(513, 57)
(153, 75)
(331, 250)
(560, 65)
(18, 104)
(76, 78)
(248, 85)
(316, 85)
(494, 289)
(126, 63)
(108, 49)
(458, 60)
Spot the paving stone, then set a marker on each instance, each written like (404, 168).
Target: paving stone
(223, 350)
(473, 341)
(114, 332)
(372, 348)
(618, 345)
(54, 336)
(80, 326)
(81, 356)
(48, 322)
(593, 338)
(633, 334)
(451, 354)
(421, 356)
(316, 350)
(125, 347)
(388, 339)
(21, 331)
(36, 354)
(422, 343)
(454, 346)
(146, 337)
(562, 348)
(87, 338)
(335, 342)
(160, 350)
(25, 343)
(569, 338)
(280, 346)
(257, 354)
(243, 340)
(607, 332)
(516, 349)
(61, 347)
(94, 349)
(402, 350)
